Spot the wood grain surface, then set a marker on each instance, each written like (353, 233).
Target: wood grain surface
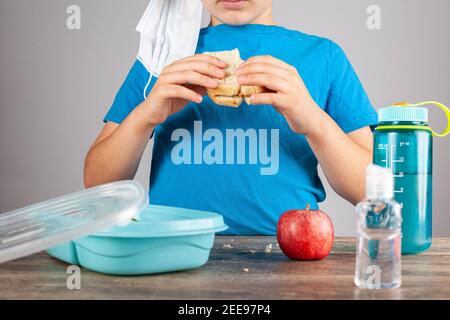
(238, 269)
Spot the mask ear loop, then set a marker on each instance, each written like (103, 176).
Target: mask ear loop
(157, 55)
(155, 62)
(147, 85)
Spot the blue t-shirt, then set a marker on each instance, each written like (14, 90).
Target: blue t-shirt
(246, 163)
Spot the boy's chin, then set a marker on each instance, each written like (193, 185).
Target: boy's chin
(236, 18)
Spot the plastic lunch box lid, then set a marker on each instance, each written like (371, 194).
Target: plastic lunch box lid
(43, 225)
(158, 221)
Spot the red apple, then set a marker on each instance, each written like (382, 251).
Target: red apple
(305, 234)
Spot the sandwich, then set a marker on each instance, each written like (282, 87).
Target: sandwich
(229, 92)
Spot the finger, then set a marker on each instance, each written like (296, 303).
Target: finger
(269, 60)
(206, 58)
(258, 67)
(202, 67)
(180, 92)
(264, 98)
(269, 81)
(188, 77)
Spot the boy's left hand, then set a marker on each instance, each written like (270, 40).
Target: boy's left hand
(288, 95)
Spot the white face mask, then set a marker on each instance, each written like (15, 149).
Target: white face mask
(169, 32)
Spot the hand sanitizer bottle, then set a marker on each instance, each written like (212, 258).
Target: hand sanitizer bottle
(378, 249)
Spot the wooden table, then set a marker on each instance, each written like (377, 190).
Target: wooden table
(269, 276)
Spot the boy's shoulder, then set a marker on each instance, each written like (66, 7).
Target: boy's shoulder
(313, 39)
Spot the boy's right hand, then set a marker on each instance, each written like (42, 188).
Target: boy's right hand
(179, 83)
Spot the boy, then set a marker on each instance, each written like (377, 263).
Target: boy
(315, 107)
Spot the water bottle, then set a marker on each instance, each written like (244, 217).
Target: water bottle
(403, 142)
(378, 217)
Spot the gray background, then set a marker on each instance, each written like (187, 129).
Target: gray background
(57, 84)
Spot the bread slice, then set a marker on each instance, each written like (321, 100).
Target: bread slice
(234, 101)
(247, 91)
(229, 92)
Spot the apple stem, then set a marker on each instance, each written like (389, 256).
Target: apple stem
(308, 206)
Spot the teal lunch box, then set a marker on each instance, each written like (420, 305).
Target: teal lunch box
(162, 239)
(111, 229)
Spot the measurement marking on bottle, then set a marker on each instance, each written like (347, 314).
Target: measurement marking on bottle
(399, 191)
(390, 162)
(400, 160)
(385, 147)
(399, 175)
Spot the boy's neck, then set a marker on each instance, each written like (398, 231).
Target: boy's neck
(266, 19)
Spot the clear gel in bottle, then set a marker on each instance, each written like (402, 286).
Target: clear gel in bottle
(378, 249)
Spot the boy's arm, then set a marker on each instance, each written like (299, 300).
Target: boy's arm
(116, 153)
(343, 157)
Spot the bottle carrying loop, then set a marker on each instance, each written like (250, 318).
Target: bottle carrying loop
(435, 134)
